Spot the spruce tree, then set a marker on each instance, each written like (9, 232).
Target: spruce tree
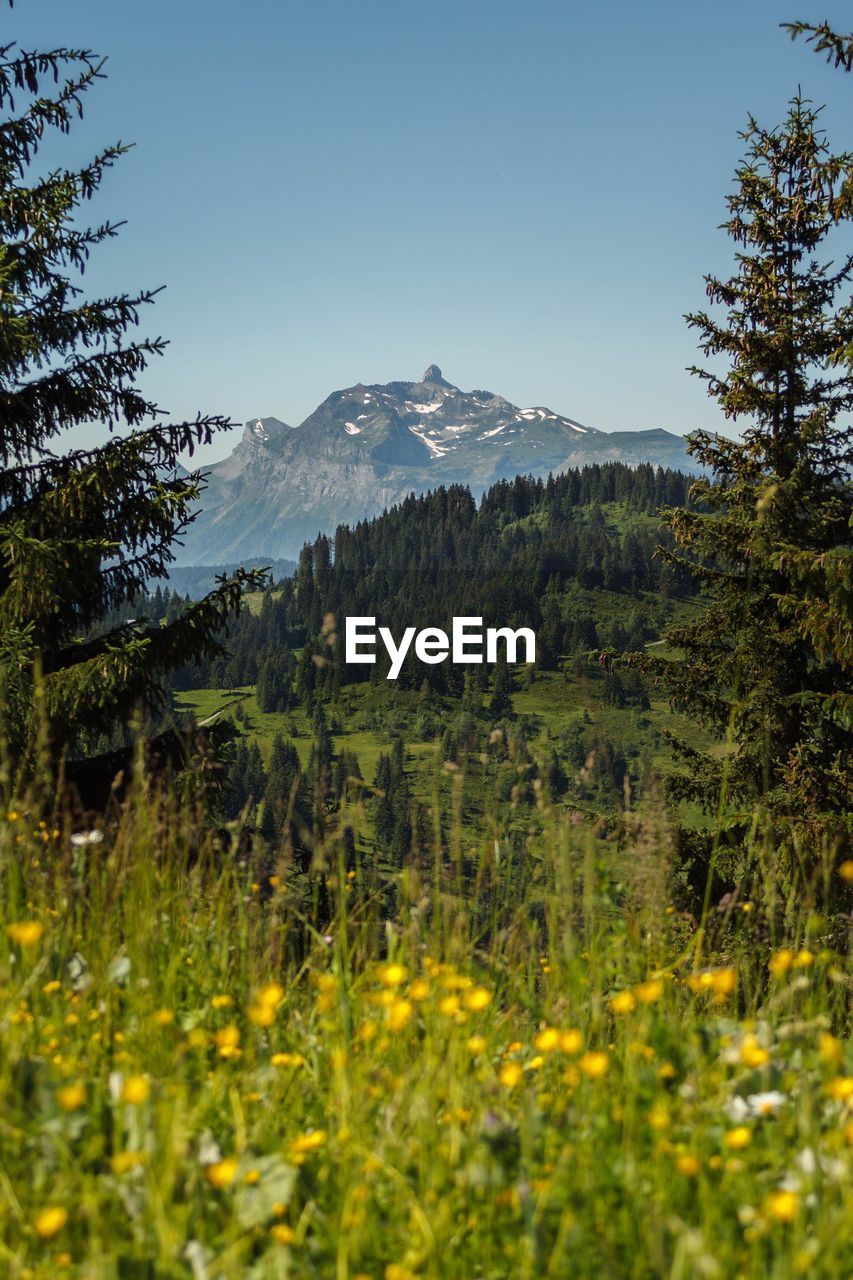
(765, 665)
(500, 703)
(81, 532)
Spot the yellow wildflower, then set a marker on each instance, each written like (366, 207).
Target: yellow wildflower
(71, 1097)
(308, 1142)
(136, 1090)
(50, 988)
(623, 1002)
(782, 1205)
(221, 1173)
(723, 981)
(546, 1040)
(287, 1060)
(222, 1002)
(846, 871)
(477, 999)
(456, 981)
(448, 1006)
(830, 1048)
(650, 991)
(126, 1161)
(510, 1074)
(571, 1041)
(262, 1015)
(738, 1138)
(392, 975)
(50, 1221)
(841, 1088)
(419, 990)
(26, 933)
(252, 1177)
(688, 1165)
(399, 1015)
(227, 1040)
(271, 994)
(594, 1064)
(752, 1054)
(781, 962)
(476, 1045)
(659, 1118)
(282, 1233)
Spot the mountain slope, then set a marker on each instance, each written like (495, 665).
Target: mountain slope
(366, 447)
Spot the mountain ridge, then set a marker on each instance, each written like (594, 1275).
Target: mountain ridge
(366, 447)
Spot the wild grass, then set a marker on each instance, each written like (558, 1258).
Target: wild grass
(501, 1061)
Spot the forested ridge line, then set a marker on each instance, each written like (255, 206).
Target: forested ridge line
(529, 554)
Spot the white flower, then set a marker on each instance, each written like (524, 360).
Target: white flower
(756, 1104)
(809, 1161)
(764, 1104)
(80, 838)
(208, 1148)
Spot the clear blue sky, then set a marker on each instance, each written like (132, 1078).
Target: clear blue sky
(344, 190)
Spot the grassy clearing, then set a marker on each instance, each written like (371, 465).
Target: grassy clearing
(556, 700)
(525, 1068)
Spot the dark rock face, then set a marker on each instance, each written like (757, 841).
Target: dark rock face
(367, 447)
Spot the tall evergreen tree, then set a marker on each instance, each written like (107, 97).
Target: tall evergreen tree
(766, 664)
(500, 703)
(80, 533)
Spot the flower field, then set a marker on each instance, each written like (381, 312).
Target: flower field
(588, 1087)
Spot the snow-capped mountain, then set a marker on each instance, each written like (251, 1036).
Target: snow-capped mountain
(367, 447)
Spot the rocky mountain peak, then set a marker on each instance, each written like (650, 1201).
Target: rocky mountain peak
(370, 445)
(264, 430)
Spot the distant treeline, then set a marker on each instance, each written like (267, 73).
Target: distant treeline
(195, 581)
(528, 555)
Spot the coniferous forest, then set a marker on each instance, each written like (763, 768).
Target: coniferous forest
(484, 970)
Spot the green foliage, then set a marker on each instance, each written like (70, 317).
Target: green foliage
(80, 534)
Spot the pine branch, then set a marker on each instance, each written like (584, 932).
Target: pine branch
(838, 49)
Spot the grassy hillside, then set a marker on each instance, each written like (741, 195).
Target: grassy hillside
(369, 716)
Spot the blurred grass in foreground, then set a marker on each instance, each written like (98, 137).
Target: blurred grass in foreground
(209, 1070)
